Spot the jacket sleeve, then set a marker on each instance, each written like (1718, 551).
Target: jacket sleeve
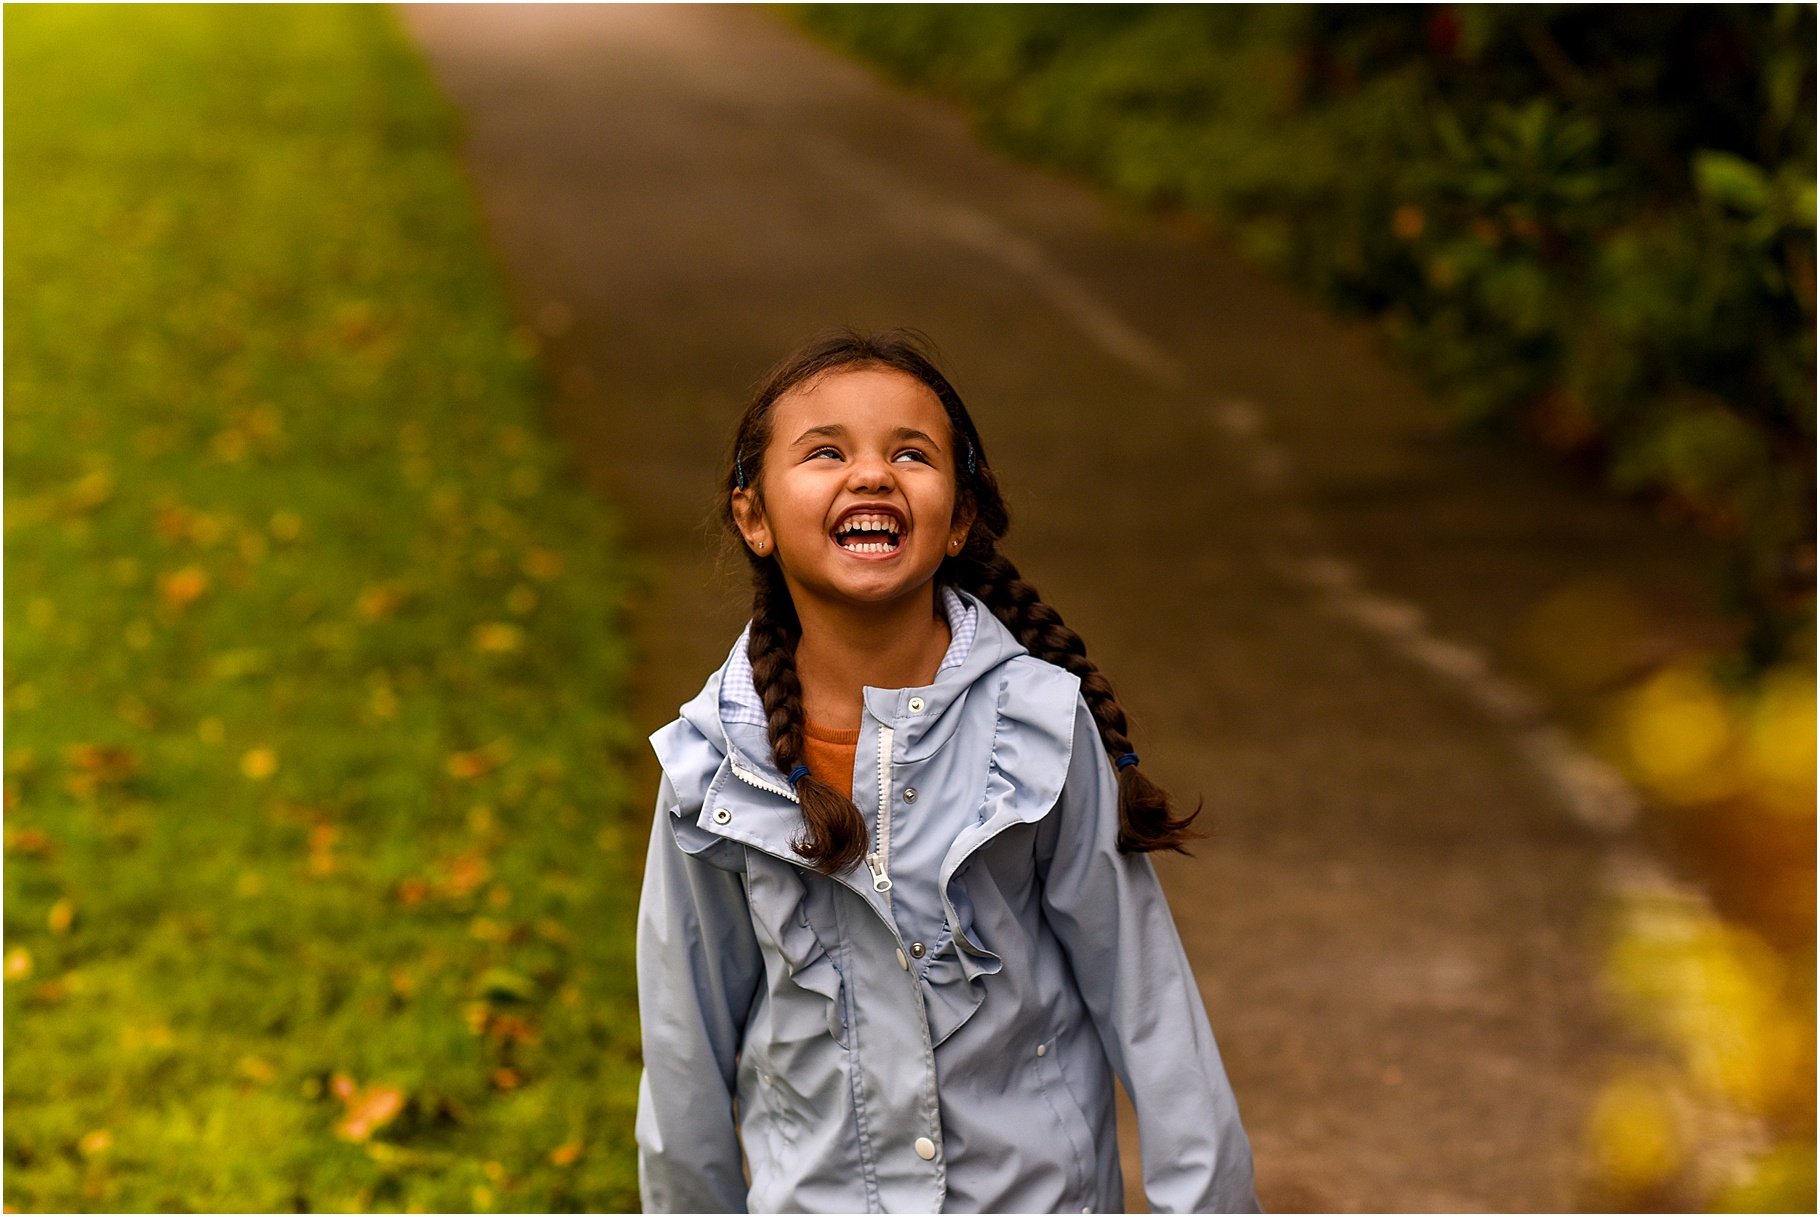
(698, 970)
(1110, 914)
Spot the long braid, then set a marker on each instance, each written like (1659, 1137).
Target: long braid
(1146, 819)
(834, 832)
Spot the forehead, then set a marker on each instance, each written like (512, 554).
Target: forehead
(862, 400)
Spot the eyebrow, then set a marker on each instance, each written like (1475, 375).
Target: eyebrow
(836, 431)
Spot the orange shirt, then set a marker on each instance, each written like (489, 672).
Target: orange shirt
(829, 755)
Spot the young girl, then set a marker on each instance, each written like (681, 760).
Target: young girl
(899, 930)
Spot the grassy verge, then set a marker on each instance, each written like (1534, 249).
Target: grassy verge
(320, 867)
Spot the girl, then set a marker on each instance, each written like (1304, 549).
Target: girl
(898, 929)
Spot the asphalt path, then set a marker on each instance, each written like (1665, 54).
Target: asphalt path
(1307, 591)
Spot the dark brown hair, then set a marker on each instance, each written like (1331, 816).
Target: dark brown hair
(834, 832)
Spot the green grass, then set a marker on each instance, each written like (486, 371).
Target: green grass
(314, 791)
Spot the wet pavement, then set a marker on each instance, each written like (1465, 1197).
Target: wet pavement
(1309, 594)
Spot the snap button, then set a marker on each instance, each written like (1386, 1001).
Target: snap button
(917, 949)
(909, 794)
(1042, 1049)
(901, 961)
(916, 705)
(722, 815)
(925, 1148)
(767, 1078)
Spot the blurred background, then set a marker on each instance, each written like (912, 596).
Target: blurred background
(1413, 407)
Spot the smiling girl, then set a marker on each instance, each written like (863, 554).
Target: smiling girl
(899, 928)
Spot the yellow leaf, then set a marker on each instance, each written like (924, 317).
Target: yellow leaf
(18, 964)
(97, 1142)
(62, 914)
(566, 1153)
(498, 638)
(381, 600)
(259, 763)
(92, 489)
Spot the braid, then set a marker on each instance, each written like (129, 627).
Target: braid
(1146, 819)
(834, 832)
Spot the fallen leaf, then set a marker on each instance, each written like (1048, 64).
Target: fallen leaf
(105, 762)
(381, 600)
(542, 564)
(259, 763)
(180, 588)
(566, 1153)
(18, 964)
(32, 842)
(370, 1110)
(498, 638)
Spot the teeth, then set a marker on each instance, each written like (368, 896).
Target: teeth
(870, 522)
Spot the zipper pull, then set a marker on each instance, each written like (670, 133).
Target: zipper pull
(881, 882)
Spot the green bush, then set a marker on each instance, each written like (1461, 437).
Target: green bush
(1592, 225)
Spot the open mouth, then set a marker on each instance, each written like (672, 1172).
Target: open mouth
(867, 533)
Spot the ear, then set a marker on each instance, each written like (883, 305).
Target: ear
(963, 522)
(749, 514)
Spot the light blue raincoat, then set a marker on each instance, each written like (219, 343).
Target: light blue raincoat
(948, 1044)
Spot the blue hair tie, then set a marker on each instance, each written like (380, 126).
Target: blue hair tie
(739, 472)
(1130, 758)
(798, 774)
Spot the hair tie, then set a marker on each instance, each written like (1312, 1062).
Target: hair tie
(798, 774)
(739, 471)
(971, 467)
(1130, 758)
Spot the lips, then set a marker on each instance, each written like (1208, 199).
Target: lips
(870, 530)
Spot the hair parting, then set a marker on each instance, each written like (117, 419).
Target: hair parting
(834, 831)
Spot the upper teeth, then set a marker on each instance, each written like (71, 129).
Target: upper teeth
(873, 523)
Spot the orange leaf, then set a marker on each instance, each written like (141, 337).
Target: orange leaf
(369, 1111)
(181, 587)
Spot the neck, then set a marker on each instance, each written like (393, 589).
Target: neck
(845, 648)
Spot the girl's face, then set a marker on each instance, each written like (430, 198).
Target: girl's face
(857, 501)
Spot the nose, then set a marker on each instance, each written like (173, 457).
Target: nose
(871, 473)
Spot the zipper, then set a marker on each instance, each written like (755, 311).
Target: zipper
(752, 779)
(879, 860)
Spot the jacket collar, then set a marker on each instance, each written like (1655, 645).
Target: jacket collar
(917, 734)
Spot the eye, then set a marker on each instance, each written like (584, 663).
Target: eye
(825, 451)
(914, 453)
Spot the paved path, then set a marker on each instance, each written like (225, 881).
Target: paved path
(1304, 589)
